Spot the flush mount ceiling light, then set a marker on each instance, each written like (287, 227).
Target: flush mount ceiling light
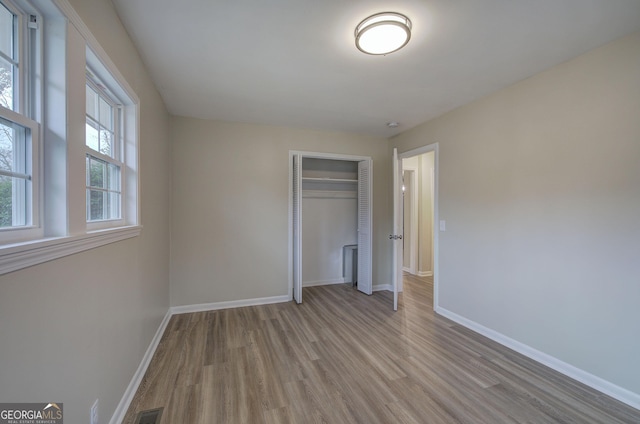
(383, 33)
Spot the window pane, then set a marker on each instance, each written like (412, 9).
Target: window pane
(106, 142)
(97, 171)
(114, 177)
(92, 136)
(103, 205)
(13, 197)
(6, 201)
(103, 190)
(92, 103)
(114, 205)
(6, 31)
(14, 204)
(12, 147)
(106, 115)
(6, 147)
(6, 84)
(97, 204)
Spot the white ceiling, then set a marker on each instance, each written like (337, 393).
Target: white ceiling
(294, 62)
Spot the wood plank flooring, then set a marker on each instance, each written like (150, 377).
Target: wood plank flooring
(344, 357)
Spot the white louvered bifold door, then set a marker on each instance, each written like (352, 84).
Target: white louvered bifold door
(365, 178)
(297, 228)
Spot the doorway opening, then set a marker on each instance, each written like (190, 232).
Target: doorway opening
(418, 215)
(415, 214)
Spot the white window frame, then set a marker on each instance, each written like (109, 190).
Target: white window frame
(127, 104)
(26, 109)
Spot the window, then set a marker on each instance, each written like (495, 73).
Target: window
(87, 177)
(110, 146)
(104, 152)
(19, 138)
(15, 175)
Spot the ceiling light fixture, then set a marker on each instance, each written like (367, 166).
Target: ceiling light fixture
(383, 33)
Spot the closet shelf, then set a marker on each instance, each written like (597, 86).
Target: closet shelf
(329, 180)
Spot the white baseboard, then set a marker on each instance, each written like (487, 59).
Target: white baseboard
(202, 307)
(125, 402)
(623, 395)
(381, 287)
(323, 282)
(129, 393)
(425, 273)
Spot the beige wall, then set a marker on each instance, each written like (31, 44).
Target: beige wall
(540, 188)
(425, 261)
(229, 229)
(328, 224)
(75, 329)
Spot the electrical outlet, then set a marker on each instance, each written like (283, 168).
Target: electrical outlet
(94, 412)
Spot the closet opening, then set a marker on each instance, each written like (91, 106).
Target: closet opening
(330, 221)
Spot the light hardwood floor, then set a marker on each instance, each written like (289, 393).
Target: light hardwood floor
(344, 357)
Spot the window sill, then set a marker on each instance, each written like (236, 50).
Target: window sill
(22, 255)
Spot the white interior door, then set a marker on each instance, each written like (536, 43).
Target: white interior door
(297, 228)
(396, 237)
(365, 177)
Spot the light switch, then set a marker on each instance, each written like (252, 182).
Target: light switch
(443, 225)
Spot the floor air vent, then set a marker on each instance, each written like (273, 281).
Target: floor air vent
(151, 416)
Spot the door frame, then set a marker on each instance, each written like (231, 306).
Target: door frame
(317, 155)
(436, 215)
